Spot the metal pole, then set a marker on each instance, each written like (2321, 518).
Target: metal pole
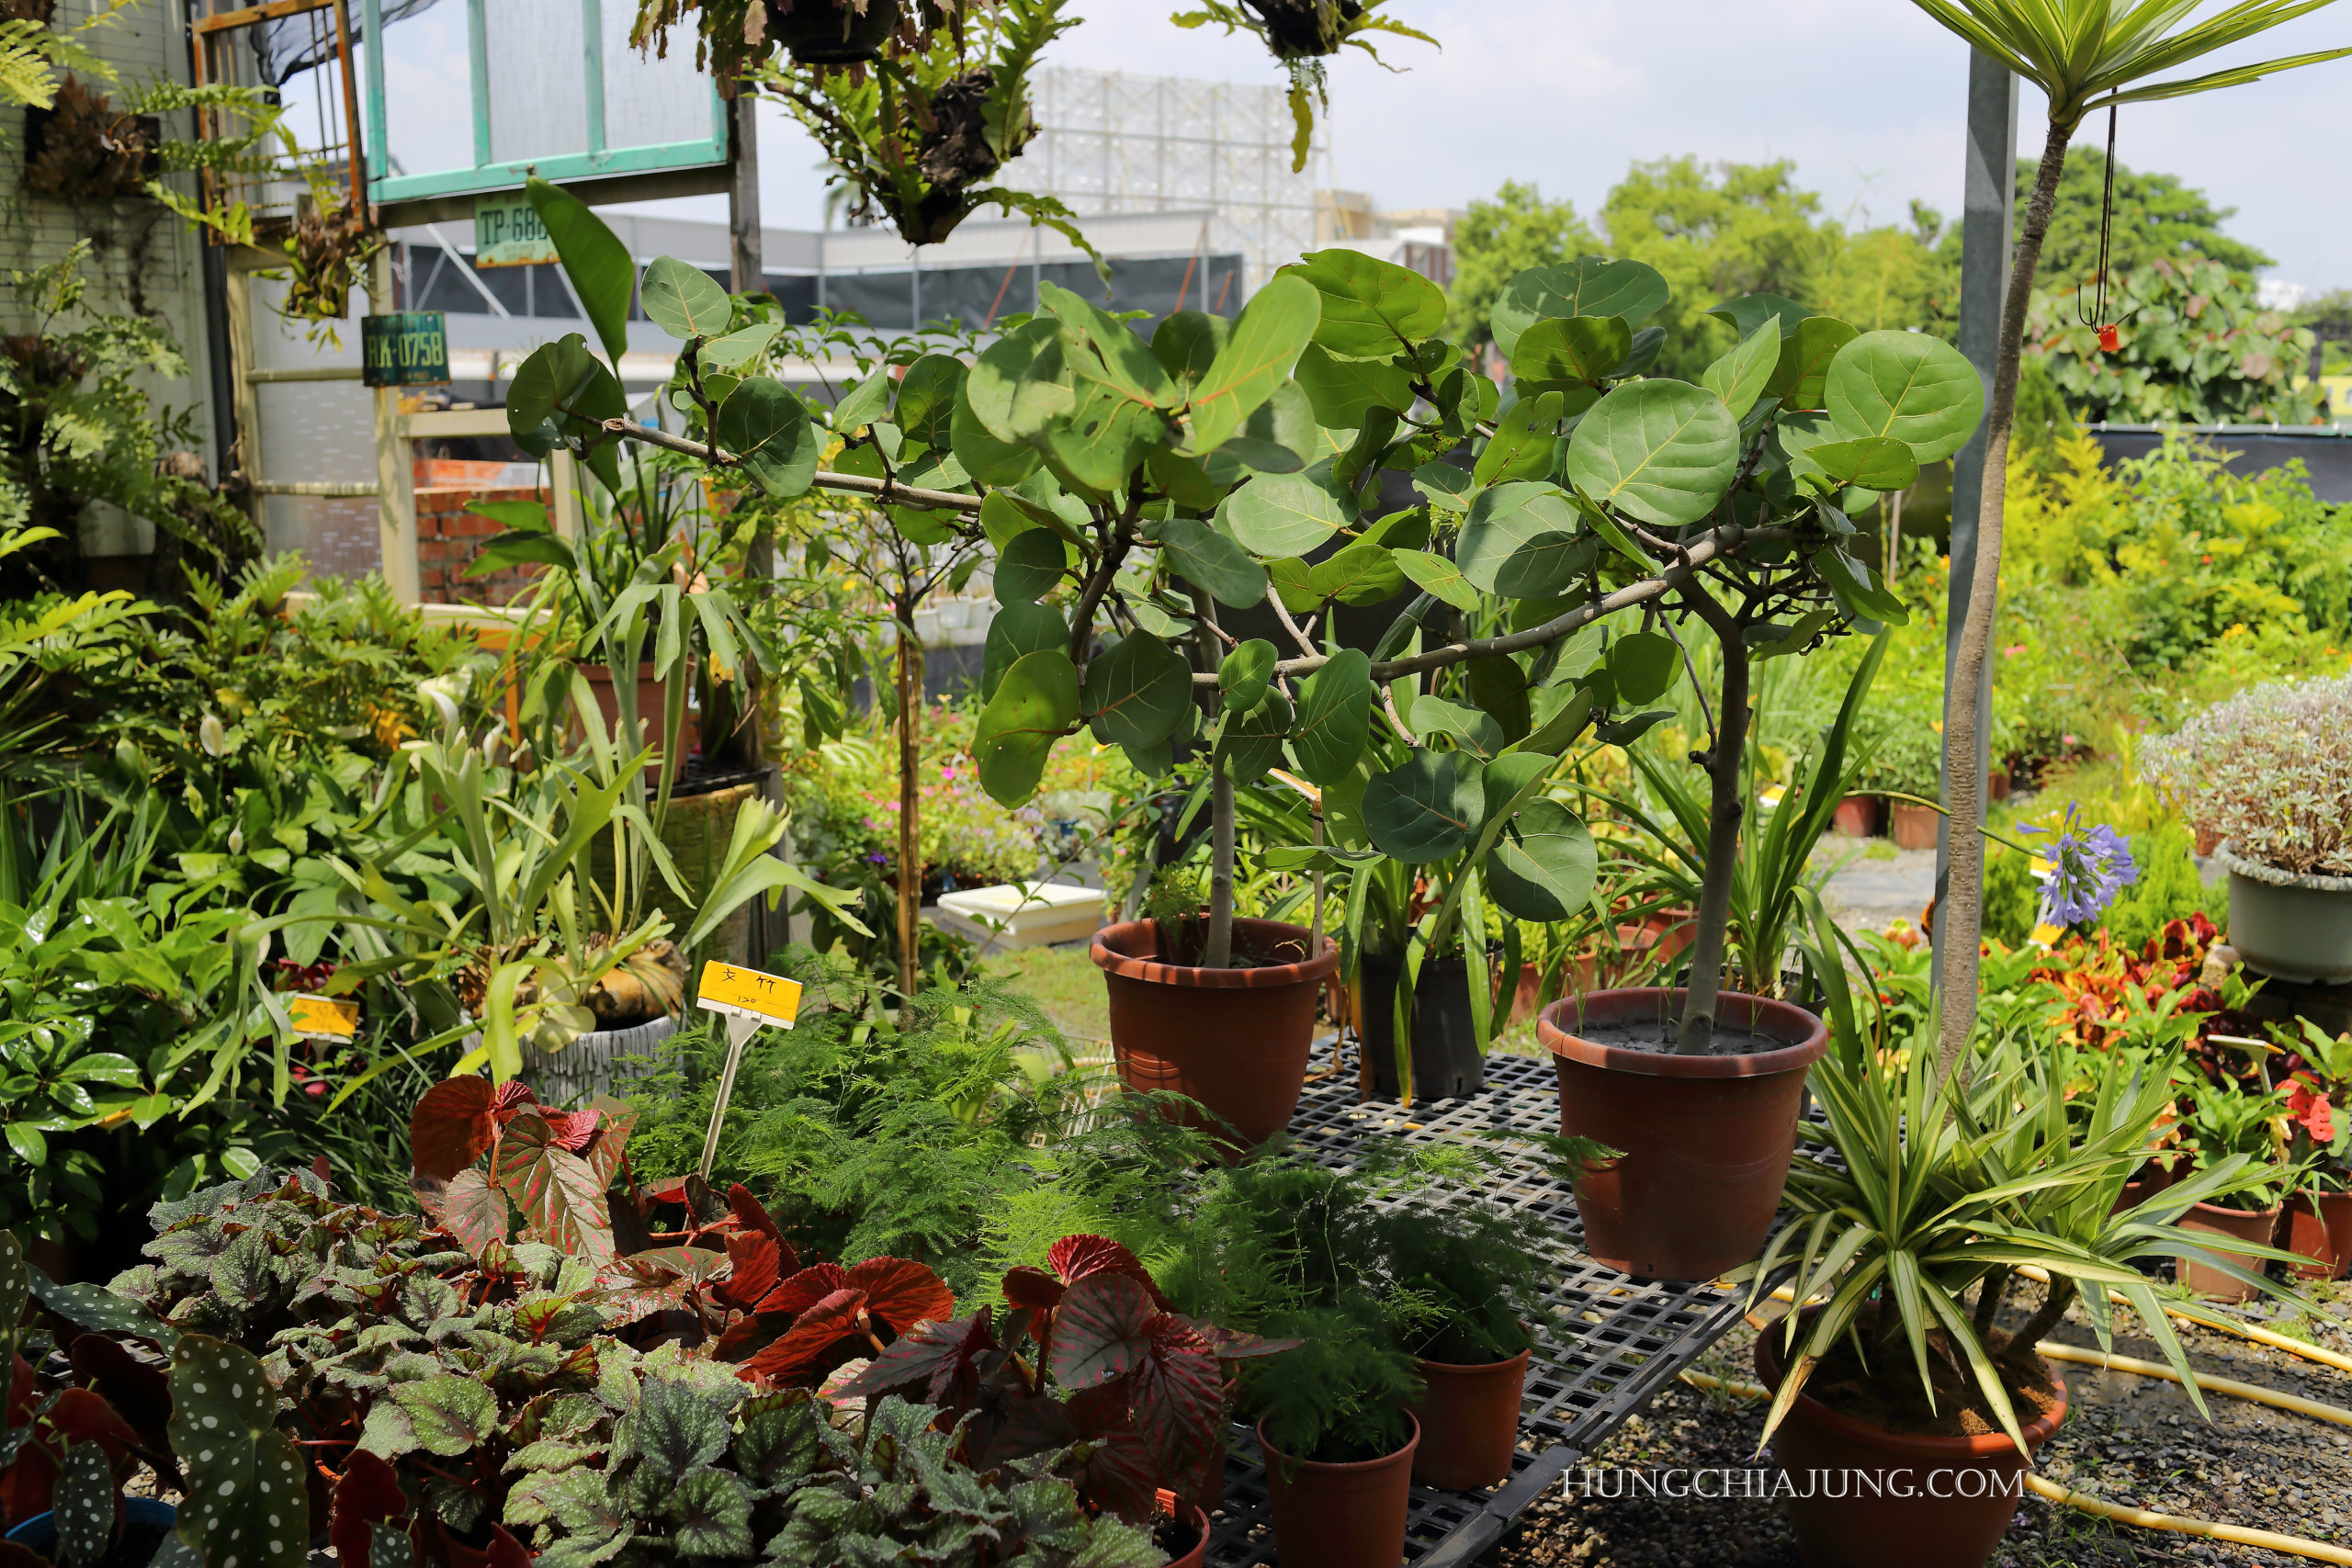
(1988, 221)
(747, 266)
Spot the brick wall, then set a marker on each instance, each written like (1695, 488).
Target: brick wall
(449, 538)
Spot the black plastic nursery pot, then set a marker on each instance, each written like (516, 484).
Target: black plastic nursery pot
(1449, 1060)
(832, 32)
(1704, 1141)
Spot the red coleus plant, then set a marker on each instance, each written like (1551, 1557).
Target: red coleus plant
(553, 1166)
(1134, 1391)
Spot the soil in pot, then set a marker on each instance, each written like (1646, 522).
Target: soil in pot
(1469, 1419)
(1339, 1516)
(1183, 1535)
(1449, 1061)
(1236, 1040)
(1864, 1446)
(2319, 1226)
(2247, 1224)
(1704, 1140)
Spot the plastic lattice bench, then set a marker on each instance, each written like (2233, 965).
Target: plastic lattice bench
(1626, 1339)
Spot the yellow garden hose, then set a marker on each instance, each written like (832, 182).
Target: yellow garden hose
(2236, 1535)
(2307, 1352)
(2052, 1350)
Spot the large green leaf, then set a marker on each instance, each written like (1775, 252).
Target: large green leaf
(1435, 574)
(1019, 385)
(1911, 386)
(1739, 377)
(1277, 439)
(1334, 716)
(1748, 315)
(926, 405)
(1359, 574)
(1030, 566)
(1343, 390)
(1250, 743)
(1541, 867)
(1570, 351)
(561, 392)
(1526, 442)
(683, 300)
(1186, 343)
(1520, 540)
(1020, 627)
(450, 1414)
(986, 457)
(1662, 451)
(1370, 307)
(1589, 286)
(599, 266)
(1036, 704)
(1869, 462)
(246, 1504)
(1803, 371)
(1245, 674)
(767, 427)
(1210, 561)
(1257, 357)
(1429, 806)
(1136, 693)
(1120, 393)
(1286, 514)
(1467, 727)
(1641, 666)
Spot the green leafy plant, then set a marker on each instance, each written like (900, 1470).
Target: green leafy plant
(2194, 347)
(2224, 1122)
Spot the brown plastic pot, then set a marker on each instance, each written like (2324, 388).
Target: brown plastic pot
(1469, 1420)
(2146, 1182)
(1913, 826)
(1234, 1040)
(2322, 1234)
(2246, 1224)
(1874, 1492)
(1856, 816)
(1199, 1555)
(1705, 1140)
(1339, 1516)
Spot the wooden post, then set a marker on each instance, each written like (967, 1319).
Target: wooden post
(395, 474)
(746, 261)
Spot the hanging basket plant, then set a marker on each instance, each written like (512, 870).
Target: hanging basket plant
(327, 252)
(82, 148)
(1302, 34)
(831, 33)
(921, 133)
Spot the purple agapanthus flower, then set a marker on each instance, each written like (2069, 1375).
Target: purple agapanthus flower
(2088, 868)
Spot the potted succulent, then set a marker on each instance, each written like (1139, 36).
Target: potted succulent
(2270, 770)
(2225, 1123)
(1939, 1188)
(2319, 1217)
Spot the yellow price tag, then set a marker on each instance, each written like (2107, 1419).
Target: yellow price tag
(749, 994)
(324, 1017)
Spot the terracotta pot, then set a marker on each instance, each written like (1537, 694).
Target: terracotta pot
(1913, 826)
(650, 696)
(1199, 1555)
(1234, 1040)
(2207, 841)
(2246, 1225)
(1997, 785)
(1856, 816)
(2322, 1233)
(1449, 1060)
(1867, 1520)
(827, 32)
(2146, 1182)
(1662, 936)
(1469, 1420)
(1339, 1516)
(1706, 1140)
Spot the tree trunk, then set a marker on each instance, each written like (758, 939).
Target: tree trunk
(1217, 950)
(1727, 808)
(910, 867)
(2036, 1329)
(1960, 918)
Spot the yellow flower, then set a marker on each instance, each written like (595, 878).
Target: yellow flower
(1936, 725)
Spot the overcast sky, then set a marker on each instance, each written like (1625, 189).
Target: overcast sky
(1867, 97)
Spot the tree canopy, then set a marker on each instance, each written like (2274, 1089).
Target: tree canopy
(1501, 238)
(2156, 215)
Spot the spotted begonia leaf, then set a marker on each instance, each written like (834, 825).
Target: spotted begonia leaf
(246, 1504)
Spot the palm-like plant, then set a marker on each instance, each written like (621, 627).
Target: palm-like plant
(1941, 1186)
(2084, 55)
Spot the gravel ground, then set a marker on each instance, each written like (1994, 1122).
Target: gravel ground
(2128, 1439)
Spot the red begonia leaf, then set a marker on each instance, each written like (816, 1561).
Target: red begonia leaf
(806, 1289)
(571, 1130)
(1076, 1257)
(813, 1333)
(1231, 1345)
(939, 1363)
(748, 1334)
(452, 1126)
(514, 1097)
(473, 1210)
(749, 1213)
(901, 1294)
(139, 1392)
(756, 1258)
(505, 1551)
(368, 1492)
(1099, 1331)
